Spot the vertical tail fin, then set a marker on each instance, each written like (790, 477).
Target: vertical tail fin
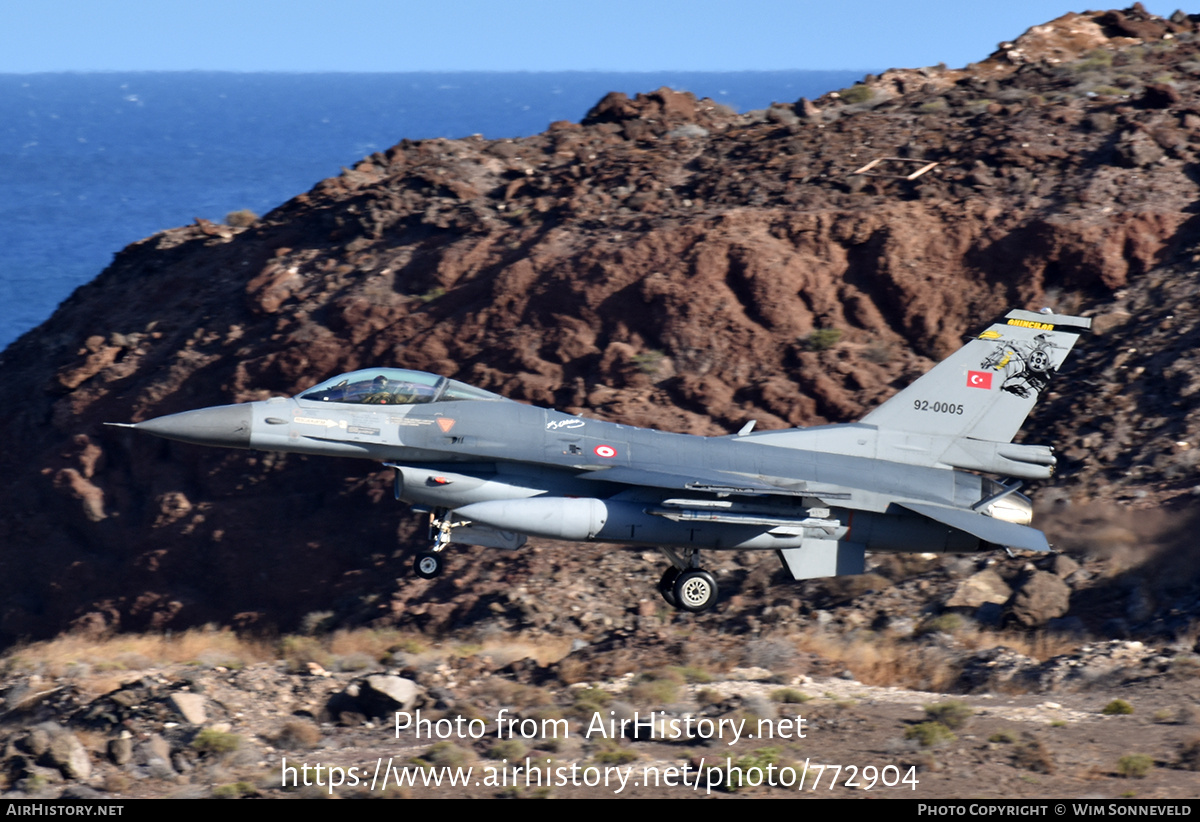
(987, 388)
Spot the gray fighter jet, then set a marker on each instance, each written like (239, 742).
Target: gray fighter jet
(491, 471)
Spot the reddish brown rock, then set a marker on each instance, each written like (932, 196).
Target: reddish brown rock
(612, 269)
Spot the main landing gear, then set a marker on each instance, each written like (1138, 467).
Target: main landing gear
(685, 585)
(428, 564)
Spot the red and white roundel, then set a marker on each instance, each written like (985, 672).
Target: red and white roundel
(606, 451)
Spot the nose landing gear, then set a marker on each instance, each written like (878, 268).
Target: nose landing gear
(428, 564)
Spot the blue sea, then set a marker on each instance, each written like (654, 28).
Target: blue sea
(92, 162)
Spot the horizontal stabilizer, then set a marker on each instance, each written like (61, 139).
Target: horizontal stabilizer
(988, 529)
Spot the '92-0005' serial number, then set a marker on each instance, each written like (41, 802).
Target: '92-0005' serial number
(938, 407)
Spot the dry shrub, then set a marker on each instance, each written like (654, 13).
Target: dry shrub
(1189, 755)
(655, 688)
(884, 661)
(573, 670)
(299, 652)
(1033, 755)
(1188, 715)
(297, 735)
(117, 783)
(242, 218)
(375, 643)
(775, 654)
(1186, 667)
(1039, 645)
(204, 646)
(499, 691)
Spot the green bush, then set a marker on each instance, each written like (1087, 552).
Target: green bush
(692, 674)
(588, 701)
(1135, 766)
(510, 749)
(953, 714)
(211, 741)
(857, 93)
(610, 753)
(929, 734)
(298, 651)
(1118, 707)
(659, 687)
(446, 754)
(941, 624)
(648, 362)
(235, 790)
(1094, 60)
(654, 692)
(790, 696)
(823, 339)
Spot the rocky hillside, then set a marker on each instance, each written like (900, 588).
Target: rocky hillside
(664, 262)
(227, 726)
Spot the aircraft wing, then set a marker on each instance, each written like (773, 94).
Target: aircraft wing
(717, 482)
(988, 529)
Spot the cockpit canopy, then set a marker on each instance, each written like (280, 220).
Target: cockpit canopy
(393, 386)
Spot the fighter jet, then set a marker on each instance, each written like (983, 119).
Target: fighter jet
(489, 471)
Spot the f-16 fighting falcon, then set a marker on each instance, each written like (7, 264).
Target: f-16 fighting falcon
(909, 476)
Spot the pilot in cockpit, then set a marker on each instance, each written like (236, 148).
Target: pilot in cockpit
(379, 394)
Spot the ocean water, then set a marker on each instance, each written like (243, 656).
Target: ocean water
(92, 162)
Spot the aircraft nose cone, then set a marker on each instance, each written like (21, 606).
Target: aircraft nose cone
(225, 425)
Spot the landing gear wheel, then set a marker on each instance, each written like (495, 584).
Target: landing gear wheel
(695, 590)
(427, 565)
(666, 586)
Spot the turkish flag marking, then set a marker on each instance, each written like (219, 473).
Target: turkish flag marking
(979, 379)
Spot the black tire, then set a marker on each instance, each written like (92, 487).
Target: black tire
(695, 591)
(427, 564)
(666, 585)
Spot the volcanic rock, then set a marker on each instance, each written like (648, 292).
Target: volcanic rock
(664, 262)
